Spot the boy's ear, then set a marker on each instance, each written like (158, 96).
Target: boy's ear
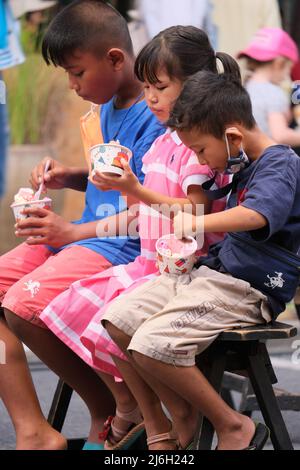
(116, 57)
(235, 137)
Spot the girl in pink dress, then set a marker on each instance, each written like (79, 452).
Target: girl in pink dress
(173, 176)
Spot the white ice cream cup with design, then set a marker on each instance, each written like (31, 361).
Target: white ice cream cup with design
(176, 256)
(18, 207)
(106, 158)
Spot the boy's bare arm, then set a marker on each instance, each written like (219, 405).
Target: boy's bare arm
(77, 179)
(237, 219)
(129, 185)
(45, 227)
(115, 225)
(58, 176)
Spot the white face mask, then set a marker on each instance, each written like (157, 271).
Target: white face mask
(235, 164)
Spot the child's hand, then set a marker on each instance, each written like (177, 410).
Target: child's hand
(126, 183)
(55, 178)
(44, 227)
(187, 225)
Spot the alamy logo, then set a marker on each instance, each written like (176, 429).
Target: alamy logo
(2, 92)
(275, 281)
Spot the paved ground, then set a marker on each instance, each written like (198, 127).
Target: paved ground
(286, 362)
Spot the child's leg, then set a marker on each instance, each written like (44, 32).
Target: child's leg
(18, 394)
(27, 299)
(167, 344)
(19, 262)
(76, 373)
(233, 429)
(16, 387)
(127, 314)
(143, 386)
(42, 281)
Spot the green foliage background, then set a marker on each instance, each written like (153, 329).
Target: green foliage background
(29, 89)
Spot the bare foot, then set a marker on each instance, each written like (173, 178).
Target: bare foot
(44, 439)
(186, 429)
(238, 437)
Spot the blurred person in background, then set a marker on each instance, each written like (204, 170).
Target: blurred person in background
(11, 54)
(34, 22)
(238, 20)
(270, 56)
(152, 16)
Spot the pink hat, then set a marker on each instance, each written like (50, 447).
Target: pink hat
(269, 43)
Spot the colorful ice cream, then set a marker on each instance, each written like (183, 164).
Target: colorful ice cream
(175, 256)
(175, 248)
(23, 196)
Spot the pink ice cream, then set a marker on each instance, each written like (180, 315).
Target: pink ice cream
(175, 256)
(25, 198)
(175, 248)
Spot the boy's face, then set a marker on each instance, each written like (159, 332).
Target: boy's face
(161, 96)
(92, 78)
(209, 150)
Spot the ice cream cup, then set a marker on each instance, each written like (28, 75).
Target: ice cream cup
(176, 256)
(106, 158)
(17, 208)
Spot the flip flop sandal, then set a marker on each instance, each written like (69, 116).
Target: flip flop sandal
(261, 435)
(93, 446)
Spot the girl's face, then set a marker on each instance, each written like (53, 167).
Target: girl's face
(161, 96)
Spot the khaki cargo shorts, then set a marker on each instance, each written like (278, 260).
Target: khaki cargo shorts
(174, 318)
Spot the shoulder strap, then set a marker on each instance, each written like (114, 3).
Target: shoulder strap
(213, 194)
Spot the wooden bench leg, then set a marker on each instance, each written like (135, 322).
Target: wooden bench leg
(297, 307)
(213, 370)
(268, 403)
(60, 404)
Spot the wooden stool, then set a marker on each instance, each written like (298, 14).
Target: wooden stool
(59, 406)
(58, 411)
(231, 382)
(243, 351)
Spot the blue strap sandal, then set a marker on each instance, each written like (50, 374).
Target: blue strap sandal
(93, 446)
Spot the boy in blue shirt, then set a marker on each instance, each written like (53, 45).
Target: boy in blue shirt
(90, 40)
(245, 280)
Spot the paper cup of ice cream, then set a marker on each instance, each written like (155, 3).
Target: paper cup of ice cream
(24, 199)
(176, 256)
(106, 158)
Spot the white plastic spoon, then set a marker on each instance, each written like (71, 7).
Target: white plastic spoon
(37, 195)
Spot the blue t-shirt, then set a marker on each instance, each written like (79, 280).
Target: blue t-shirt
(137, 128)
(270, 186)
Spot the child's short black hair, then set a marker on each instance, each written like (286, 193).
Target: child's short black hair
(210, 102)
(181, 51)
(87, 25)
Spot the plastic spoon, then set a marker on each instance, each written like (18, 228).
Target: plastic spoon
(37, 195)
